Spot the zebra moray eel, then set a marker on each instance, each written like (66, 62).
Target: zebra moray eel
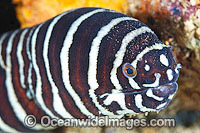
(84, 62)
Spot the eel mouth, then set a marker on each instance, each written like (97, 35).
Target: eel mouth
(161, 91)
(152, 98)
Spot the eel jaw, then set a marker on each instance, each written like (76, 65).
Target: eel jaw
(151, 99)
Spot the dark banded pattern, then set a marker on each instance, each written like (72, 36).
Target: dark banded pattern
(71, 67)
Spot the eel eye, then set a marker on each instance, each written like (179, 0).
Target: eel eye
(129, 71)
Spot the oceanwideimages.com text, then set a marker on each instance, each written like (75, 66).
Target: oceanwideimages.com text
(46, 121)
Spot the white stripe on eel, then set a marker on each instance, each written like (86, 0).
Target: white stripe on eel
(161, 105)
(2, 64)
(57, 102)
(64, 58)
(29, 80)
(38, 89)
(171, 96)
(28, 43)
(138, 103)
(20, 58)
(19, 111)
(149, 93)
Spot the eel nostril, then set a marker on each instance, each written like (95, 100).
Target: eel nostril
(179, 66)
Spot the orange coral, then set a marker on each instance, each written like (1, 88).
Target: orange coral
(31, 12)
